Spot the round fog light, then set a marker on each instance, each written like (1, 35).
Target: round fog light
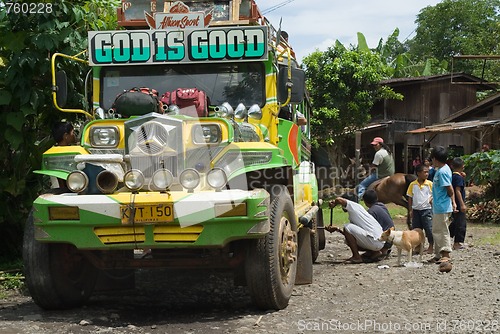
(189, 178)
(134, 179)
(217, 178)
(77, 181)
(162, 179)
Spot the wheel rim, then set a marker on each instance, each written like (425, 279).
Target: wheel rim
(288, 249)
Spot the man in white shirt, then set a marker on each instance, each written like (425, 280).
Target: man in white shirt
(361, 233)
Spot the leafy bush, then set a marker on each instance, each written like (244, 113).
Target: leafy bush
(11, 277)
(11, 281)
(485, 212)
(483, 168)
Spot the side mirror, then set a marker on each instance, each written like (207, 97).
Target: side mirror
(298, 83)
(61, 88)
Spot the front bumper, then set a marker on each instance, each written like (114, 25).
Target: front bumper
(152, 219)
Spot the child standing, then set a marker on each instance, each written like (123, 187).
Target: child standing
(443, 204)
(420, 204)
(432, 171)
(458, 225)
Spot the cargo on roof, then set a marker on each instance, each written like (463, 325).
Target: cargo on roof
(160, 14)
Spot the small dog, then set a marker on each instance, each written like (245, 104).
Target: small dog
(407, 240)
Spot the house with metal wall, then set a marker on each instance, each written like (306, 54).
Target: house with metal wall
(430, 101)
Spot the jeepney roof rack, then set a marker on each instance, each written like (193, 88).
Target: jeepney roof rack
(144, 14)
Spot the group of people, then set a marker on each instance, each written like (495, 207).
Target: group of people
(436, 206)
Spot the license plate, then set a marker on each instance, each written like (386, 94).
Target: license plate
(147, 213)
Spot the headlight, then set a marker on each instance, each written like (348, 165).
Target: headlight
(163, 179)
(134, 179)
(224, 110)
(189, 178)
(173, 109)
(217, 178)
(207, 134)
(104, 136)
(255, 112)
(77, 181)
(241, 111)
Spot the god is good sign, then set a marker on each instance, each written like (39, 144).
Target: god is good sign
(164, 46)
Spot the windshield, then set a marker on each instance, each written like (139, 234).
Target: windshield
(233, 83)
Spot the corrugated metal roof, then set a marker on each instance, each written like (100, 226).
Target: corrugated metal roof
(457, 126)
(452, 77)
(374, 126)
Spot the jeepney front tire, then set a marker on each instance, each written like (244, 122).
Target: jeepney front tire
(271, 262)
(57, 275)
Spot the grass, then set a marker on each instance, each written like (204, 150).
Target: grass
(340, 217)
(492, 238)
(11, 277)
(489, 234)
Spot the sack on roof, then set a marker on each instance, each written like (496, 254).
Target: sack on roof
(137, 101)
(186, 97)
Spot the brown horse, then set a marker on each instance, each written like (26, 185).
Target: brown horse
(392, 189)
(351, 173)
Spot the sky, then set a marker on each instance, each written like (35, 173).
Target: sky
(316, 24)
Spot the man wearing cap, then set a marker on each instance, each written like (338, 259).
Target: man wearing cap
(381, 166)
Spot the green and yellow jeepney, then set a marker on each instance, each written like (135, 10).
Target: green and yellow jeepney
(228, 185)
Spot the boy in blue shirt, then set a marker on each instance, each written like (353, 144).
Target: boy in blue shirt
(443, 205)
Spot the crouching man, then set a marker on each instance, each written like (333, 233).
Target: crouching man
(361, 233)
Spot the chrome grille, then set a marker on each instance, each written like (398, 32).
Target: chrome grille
(152, 138)
(149, 164)
(154, 142)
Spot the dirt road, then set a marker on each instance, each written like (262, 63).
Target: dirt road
(345, 298)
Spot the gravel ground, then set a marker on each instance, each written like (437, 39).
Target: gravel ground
(346, 298)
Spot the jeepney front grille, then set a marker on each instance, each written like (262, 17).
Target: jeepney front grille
(152, 138)
(121, 235)
(149, 164)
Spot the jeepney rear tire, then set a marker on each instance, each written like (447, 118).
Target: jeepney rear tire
(57, 275)
(315, 238)
(271, 262)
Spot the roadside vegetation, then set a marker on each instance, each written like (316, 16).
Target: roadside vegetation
(483, 169)
(11, 277)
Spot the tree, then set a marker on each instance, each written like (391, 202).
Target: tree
(27, 43)
(343, 85)
(459, 27)
(395, 55)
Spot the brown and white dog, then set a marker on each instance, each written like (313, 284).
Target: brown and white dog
(407, 240)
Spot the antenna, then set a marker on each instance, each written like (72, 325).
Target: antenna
(483, 58)
(273, 8)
